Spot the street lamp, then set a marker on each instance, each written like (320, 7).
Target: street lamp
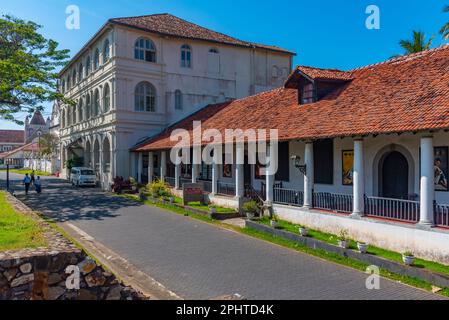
(297, 163)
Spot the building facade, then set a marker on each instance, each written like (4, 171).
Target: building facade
(138, 75)
(365, 150)
(11, 139)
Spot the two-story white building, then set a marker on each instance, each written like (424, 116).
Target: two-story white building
(138, 75)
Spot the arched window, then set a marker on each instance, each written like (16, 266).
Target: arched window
(74, 120)
(178, 100)
(96, 110)
(63, 118)
(88, 66)
(74, 78)
(69, 117)
(186, 56)
(63, 86)
(106, 98)
(88, 107)
(68, 83)
(213, 61)
(145, 49)
(80, 111)
(106, 53)
(145, 97)
(97, 59)
(80, 72)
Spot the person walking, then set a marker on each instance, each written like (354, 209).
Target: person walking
(38, 185)
(27, 182)
(32, 177)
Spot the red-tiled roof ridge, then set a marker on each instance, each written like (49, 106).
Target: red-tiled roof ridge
(223, 38)
(403, 58)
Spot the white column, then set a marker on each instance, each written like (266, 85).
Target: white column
(163, 165)
(309, 176)
(101, 166)
(359, 179)
(150, 166)
(196, 163)
(269, 178)
(427, 182)
(215, 176)
(140, 167)
(239, 175)
(177, 176)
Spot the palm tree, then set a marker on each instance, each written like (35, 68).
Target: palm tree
(445, 29)
(417, 44)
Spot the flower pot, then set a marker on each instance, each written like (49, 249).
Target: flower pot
(363, 247)
(409, 260)
(250, 215)
(303, 232)
(343, 244)
(274, 224)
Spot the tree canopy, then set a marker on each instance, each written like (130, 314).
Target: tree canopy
(418, 43)
(28, 64)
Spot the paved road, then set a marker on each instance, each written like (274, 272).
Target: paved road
(199, 261)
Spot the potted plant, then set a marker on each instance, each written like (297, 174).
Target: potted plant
(363, 247)
(408, 258)
(274, 221)
(343, 239)
(303, 231)
(251, 209)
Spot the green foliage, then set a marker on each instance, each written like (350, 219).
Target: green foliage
(159, 189)
(48, 144)
(17, 230)
(27, 68)
(251, 207)
(73, 163)
(133, 182)
(444, 31)
(408, 254)
(418, 43)
(343, 235)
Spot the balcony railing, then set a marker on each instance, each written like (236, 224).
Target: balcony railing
(393, 209)
(442, 215)
(289, 197)
(226, 189)
(342, 203)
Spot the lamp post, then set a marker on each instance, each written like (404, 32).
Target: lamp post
(7, 177)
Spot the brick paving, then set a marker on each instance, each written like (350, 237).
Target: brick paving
(200, 261)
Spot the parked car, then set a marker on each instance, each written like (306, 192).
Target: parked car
(83, 177)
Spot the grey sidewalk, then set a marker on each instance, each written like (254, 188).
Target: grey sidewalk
(200, 261)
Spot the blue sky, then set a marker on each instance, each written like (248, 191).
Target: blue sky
(323, 33)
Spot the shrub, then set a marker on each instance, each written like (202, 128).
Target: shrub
(408, 254)
(343, 235)
(158, 189)
(251, 207)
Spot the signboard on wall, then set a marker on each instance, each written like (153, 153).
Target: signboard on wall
(441, 169)
(348, 167)
(192, 192)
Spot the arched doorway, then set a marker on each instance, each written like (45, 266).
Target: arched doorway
(96, 164)
(106, 156)
(395, 176)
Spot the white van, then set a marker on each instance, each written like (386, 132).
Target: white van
(83, 177)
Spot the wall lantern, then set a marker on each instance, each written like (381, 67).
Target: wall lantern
(297, 163)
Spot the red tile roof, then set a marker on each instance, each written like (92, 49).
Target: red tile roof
(30, 147)
(12, 136)
(38, 119)
(167, 24)
(317, 74)
(406, 94)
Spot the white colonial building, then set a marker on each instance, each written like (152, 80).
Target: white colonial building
(138, 75)
(365, 150)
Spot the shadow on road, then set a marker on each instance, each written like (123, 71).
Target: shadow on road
(62, 202)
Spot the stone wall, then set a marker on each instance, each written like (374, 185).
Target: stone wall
(51, 273)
